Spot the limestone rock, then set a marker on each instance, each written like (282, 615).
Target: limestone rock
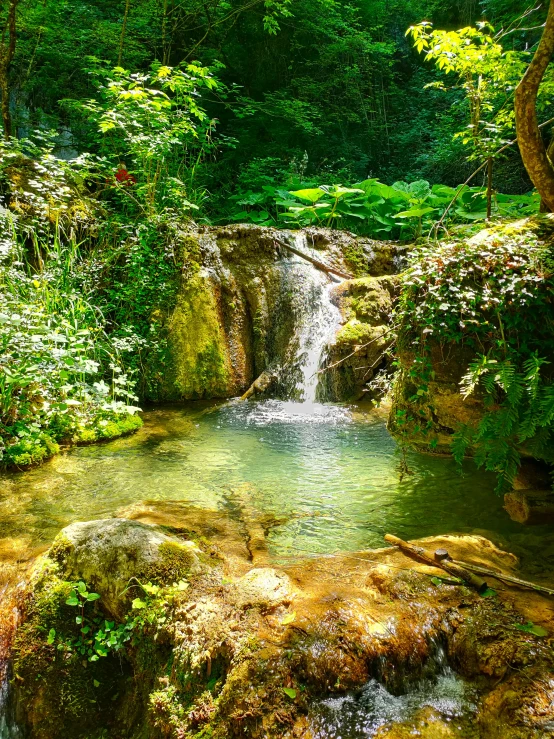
(360, 347)
(234, 644)
(109, 554)
(531, 507)
(265, 588)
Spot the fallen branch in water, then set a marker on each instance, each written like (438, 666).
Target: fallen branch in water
(438, 560)
(320, 265)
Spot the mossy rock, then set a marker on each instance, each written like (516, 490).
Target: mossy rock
(200, 365)
(251, 655)
(58, 692)
(102, 429)
(360, 347)
(111, 554)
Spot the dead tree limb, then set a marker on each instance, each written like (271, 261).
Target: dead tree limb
(320, 265)
(356, 350)
(428, 558)
(504, 578)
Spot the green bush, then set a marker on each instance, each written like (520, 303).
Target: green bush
(492, 295)
(60, 372)
(400, 211)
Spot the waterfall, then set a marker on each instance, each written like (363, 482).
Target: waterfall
(8, 727)
(318, 322)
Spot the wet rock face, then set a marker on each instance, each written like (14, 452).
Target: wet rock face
(249, 651)
(444, 408)
(360, 350)
(236, 317)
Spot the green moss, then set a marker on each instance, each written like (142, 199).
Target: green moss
(119, 426)
(35, 449)
(355, 332)
(200, 366)
(175, 563)
(102, 428)
(355, 257)
(60, 549)
(29, 451)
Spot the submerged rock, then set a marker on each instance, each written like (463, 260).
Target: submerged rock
(222, 649)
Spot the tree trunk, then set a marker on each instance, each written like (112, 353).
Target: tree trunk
(550, 153)
(531, 145)
(123, 31)
(7, 52)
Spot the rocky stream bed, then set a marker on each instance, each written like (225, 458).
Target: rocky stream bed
(365, 644)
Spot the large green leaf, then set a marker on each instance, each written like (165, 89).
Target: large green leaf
(376, 188)
(312, 194)
(414, 212)
(471, 216)
(338, 191)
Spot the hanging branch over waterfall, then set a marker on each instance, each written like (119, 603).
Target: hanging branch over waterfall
(320, 265)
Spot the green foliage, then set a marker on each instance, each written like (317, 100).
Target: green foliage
(531, 628)
(96, 636)
(60, 373)
(402, 210)
(336, 81)
(155, 123)
(485, 72)
(492, 296)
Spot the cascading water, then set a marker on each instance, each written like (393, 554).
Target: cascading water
(318, 321)
(361, 715)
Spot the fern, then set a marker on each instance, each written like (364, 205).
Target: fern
(532, 369)
(521, 406)
(461, 443)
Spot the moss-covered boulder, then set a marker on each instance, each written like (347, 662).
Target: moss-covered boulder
(110, 554)
(361, 348)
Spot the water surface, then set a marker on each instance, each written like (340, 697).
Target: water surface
(328, 474)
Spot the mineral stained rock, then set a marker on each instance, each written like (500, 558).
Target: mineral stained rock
(220, 647)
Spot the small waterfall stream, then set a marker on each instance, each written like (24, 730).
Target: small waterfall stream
(319, 319)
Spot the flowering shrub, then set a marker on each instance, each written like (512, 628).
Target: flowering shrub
(493, 294)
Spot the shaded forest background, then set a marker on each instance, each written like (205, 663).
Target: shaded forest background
(314, 88)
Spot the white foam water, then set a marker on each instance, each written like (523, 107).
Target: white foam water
(318, 320)
(362, 715)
